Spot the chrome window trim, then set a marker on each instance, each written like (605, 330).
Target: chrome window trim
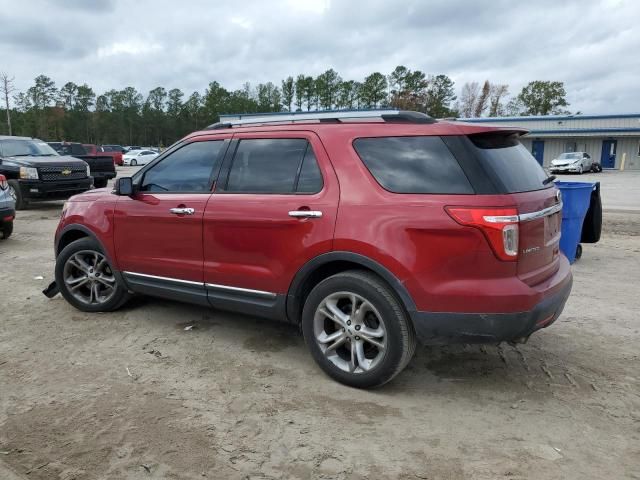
(259, 293)
(167, 279)
(526, 217)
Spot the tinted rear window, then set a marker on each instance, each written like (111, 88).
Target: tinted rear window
(413, 165)
(510, 162)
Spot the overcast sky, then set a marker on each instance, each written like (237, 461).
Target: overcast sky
(593, 46)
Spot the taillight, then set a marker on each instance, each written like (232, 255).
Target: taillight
(499, 225)
(3, 183)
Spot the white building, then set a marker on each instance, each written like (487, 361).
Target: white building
(614, 140)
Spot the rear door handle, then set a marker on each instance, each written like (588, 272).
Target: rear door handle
(305, 213)
(182, 211)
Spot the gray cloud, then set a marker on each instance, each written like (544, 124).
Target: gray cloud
(591, 46)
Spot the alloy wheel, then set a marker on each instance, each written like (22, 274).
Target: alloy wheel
(89, 278)
(350, 332)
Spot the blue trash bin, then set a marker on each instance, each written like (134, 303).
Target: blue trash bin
(576, 197)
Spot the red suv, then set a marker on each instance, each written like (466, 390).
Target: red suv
(372, 230)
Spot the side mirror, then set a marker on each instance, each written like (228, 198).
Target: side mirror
(124, 187)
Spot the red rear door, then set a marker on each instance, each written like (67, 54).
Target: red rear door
(274, 208)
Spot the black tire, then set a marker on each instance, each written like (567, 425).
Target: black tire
(592, 224)
(400, 335)
(100, 182)
(134, 163)
(578, 252)
(6, 230)
(120, 295)
(596, 168)
(16, 192)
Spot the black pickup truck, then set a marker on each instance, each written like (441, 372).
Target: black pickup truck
(36, 172)
(102, 166)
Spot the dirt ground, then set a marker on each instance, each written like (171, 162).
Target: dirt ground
(133, 395)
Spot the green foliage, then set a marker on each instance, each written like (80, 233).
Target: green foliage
(373, 91)
(288, 91)
(541, 97)
(129, 117)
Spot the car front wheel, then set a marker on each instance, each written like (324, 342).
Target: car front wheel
(86, 279)
(134, 163)
(356, 329)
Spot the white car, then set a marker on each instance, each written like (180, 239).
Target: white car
(577, 162)
(138, 157)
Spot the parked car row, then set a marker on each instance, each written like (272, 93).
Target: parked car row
(574, 162)
(35, 171)
(137, 147)
(102, 164)
(138, 157)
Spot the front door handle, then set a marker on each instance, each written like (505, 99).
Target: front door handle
(182, 211)
(305, 213)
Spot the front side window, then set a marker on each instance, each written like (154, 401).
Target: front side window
(274, 166)
(188, 169)
(413, 165)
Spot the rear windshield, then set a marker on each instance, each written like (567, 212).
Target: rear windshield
(413, 165)
(510, 162)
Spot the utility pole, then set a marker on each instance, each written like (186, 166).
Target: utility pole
(6, 87)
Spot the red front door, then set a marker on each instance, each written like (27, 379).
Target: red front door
(158, 231)
(274, 208)
(150, 239)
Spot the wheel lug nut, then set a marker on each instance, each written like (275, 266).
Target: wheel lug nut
(357, 338)
(357, 327)
(348, 322)
(343, 329)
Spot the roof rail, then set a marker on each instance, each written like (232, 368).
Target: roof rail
(397, 116)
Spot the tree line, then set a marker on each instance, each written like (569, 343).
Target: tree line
(76, 113)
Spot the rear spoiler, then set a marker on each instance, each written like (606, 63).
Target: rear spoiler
(498, 138)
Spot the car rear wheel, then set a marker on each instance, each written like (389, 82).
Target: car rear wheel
(86, 280)
(16, 193)
(134, 163)
(356, 329)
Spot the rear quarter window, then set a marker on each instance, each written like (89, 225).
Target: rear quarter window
(420, 164)
(509, 162)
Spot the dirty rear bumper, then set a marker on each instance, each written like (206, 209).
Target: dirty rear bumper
(439, 328)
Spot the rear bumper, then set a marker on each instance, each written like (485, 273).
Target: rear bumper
(54, 190)
(438, 328)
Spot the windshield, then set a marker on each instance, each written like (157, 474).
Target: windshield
(570, 156)
(26, 148)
